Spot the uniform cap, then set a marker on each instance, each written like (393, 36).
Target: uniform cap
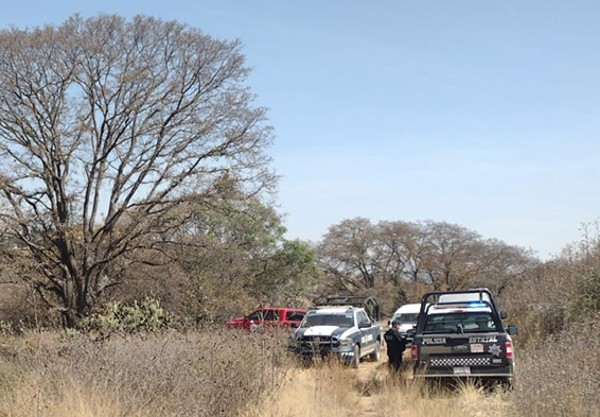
(395, 322)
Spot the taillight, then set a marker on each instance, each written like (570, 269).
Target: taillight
(414, 352)
(509, 349)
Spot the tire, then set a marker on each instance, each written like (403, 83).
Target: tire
(508, 384)
(376, 355)
(356, 358)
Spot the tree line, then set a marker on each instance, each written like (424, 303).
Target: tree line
(400, 260)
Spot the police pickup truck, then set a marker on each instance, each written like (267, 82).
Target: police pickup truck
(345, 327)
(460, 335)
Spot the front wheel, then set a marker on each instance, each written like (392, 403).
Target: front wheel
(376, 355)
(356, 357)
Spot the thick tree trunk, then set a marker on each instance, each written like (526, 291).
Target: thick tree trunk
(70, 318)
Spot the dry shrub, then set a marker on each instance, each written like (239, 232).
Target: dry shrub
(547, 298)
(208, 373)
(536, 303)
(562, 376)
(22, 308)
(536, 323)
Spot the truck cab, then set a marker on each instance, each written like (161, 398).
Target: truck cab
(268, 318)
(407, 316)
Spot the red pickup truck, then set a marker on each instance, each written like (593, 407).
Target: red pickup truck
(268, 317)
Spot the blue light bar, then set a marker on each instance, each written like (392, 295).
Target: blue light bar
(477, 304)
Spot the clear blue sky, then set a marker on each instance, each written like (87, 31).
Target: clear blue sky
(481, 113)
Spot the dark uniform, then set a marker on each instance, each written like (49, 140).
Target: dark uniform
(396, 343)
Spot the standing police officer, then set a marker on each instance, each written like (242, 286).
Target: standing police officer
(396, 343)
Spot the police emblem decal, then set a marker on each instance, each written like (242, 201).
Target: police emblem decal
(495, 350)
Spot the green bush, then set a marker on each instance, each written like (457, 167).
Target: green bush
(145, 316)
(6, 328)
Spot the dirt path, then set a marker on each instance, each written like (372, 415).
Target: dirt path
(331, 390)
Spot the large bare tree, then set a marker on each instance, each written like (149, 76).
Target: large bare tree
(106, 124)
(347, 254)
(450, 261)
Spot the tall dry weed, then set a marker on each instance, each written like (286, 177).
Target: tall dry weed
(562, 376)
(207, 373)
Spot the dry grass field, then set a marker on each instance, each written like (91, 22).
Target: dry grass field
(231, 373)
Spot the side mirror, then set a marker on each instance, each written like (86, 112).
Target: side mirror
(503, 315)
(294, 325)
(512, 329)
(411, 332)
(364, 324)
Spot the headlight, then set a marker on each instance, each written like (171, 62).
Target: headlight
(346, 342)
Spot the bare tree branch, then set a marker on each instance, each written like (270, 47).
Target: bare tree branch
(105, 126)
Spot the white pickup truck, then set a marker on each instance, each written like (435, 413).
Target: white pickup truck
(348, 332)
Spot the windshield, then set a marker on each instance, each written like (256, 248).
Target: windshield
(406, 318)
(339, 320)
(478, 322)
(263, 315)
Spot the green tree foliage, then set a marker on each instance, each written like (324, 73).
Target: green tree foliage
(106, 128)
(283, 277)
(235, 257)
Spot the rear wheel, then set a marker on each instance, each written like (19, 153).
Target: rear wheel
(508, 383)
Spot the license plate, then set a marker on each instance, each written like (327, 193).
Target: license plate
(462, 370)
(476, 348)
